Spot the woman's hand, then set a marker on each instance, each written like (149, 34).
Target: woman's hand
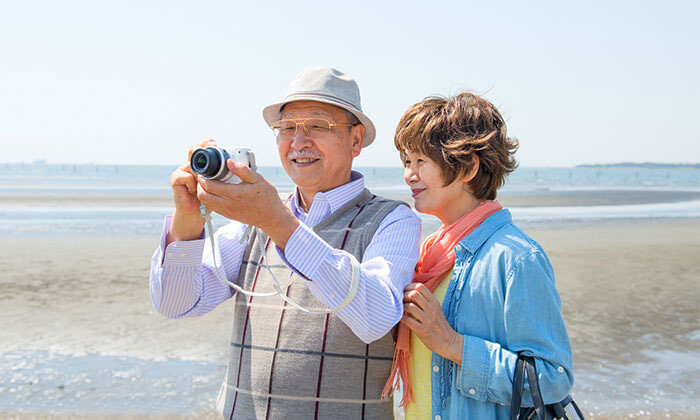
(423, 315)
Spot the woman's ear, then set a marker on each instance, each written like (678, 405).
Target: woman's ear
(473, 171)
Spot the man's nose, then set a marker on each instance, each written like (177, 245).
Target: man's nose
(300, 139)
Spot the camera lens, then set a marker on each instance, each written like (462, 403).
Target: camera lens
(201, 161)
(206, 162)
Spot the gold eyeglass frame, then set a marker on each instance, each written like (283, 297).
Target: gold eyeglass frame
(302, 122)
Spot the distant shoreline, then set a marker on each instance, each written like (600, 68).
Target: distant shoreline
(644, 165)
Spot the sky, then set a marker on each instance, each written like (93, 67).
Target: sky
(138, 82)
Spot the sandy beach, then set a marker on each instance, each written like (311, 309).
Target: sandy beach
(629, 293)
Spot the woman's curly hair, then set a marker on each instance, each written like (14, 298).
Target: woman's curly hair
(451, 131)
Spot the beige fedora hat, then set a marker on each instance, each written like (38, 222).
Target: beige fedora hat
(327, 85)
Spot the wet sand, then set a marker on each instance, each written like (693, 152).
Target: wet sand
(630, 293)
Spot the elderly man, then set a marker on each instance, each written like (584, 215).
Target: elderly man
(285, 363)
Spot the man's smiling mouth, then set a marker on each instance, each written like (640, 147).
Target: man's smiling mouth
(304, 160)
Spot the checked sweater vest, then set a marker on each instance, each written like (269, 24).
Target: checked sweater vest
(287, 364)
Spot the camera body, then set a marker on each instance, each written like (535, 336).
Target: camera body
(210, 162)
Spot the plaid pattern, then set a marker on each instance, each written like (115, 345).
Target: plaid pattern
(286, 364)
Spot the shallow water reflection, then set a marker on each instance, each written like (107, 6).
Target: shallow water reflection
(45, 381)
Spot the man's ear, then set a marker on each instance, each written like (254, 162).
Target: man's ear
(357, 134)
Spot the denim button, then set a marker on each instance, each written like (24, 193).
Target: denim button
(472, 391)
(560, 369)
(436, 368)
(459, 247)
(438, 417)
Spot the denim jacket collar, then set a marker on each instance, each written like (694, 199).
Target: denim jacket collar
(472, 242)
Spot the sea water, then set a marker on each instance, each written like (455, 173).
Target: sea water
(148, 190)
(148, 178)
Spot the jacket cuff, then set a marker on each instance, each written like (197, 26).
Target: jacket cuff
(473, 375)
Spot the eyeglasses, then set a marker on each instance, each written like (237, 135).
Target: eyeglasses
(313, 127)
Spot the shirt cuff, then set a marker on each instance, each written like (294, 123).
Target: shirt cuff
(305, 251)
(181, 252)
(473, 375)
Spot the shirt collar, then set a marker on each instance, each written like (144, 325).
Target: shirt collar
(336, 198)
(472, 242)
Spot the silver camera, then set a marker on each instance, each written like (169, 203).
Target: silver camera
(210, 162)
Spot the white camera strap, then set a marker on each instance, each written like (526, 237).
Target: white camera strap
(210, 232)
(354, 286)
(352, 292)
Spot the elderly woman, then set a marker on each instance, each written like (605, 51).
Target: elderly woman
(483, 290)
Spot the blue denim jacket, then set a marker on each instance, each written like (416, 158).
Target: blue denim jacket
(502, 298)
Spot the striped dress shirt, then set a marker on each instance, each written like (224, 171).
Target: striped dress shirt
(183, 281)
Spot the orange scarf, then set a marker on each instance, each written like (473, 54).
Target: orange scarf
(437, 257)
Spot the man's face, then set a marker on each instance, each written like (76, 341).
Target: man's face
(319, 162)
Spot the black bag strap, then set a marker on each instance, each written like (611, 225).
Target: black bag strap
(517, 397)
(534, 386)
(558, 408)
(526, 365)
(578, 410)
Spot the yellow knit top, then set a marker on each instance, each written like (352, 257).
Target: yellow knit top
(420, 361)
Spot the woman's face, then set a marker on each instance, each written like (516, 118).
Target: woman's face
(424, 176)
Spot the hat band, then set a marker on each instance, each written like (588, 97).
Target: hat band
(323, 95)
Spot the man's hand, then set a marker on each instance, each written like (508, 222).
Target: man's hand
(254, 201)
(423, 315)
(187, 223)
